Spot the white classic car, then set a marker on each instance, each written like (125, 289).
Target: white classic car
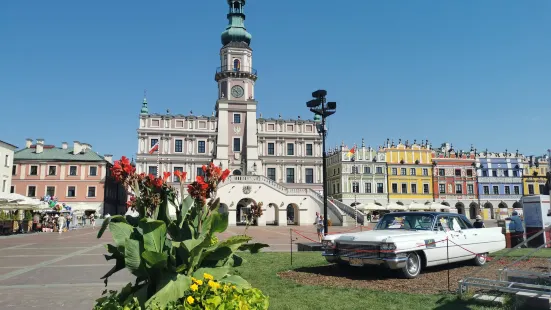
(410, 241)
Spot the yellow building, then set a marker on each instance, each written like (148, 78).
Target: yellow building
(409, 168)
(534, 176)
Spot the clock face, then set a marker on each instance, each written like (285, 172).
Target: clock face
(237, 91)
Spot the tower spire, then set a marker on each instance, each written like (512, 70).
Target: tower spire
(144, 110)
(236, 31)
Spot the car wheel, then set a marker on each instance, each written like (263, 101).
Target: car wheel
(413, 266)
(480, 259)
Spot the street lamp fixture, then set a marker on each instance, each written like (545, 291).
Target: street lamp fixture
(319, 107)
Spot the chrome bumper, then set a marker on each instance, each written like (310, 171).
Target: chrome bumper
(389, 262)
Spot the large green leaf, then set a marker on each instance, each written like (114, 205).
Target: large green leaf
(172, 291)
(154, 259)
(118, 256)
(120, 231)
(132, 256)
(187, 203)
(219, 222)
(163, 209)
(154, 235)
(253, 247)
(237, 280)
(217, 273)
(191, 244)
(114, 218)
(218, 254)
(234, 242)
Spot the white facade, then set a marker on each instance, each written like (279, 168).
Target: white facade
(6, 166)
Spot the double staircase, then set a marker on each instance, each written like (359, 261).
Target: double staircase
(340, 213)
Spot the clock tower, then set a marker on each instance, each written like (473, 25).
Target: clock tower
(237, 143)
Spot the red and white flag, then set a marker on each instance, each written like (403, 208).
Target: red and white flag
(154, 149)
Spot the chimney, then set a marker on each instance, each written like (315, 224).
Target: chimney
(39, 146)
(108, 158)
(84, 147)
(28, 142)
(77, 147)
(64, 145)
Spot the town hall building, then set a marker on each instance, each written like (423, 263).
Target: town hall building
(275, 161)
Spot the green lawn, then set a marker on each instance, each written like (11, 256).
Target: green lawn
(261, 270)
(544, 253)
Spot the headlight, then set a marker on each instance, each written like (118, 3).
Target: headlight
(388, 246)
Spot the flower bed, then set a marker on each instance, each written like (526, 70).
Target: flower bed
(168, 256)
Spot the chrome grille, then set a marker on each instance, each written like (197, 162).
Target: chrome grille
(358, 250)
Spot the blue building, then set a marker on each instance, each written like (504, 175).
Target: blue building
(500, 184)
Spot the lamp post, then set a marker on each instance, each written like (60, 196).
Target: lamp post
(355, 190)
(477, 168)
(319, 107)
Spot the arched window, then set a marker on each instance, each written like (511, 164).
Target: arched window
(236, 65)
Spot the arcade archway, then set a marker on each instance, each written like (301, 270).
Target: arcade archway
(272, 207)
(490, 206)
(243, 212)
(472, 210)
(292, 214)
(460, 208)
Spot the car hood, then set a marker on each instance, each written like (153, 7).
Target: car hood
(388, 235)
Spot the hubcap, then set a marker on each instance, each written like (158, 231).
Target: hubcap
(413, 264)
(481, 258)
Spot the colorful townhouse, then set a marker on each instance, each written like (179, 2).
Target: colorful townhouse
(409, 169)
(76, 176)
(455, 180)
(357, 175)
(500, 183)
(535, 175)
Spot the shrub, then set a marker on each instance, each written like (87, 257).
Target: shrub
(165, 254)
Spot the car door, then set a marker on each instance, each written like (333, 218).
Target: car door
(437, 250)
(464, 239)
(457, 239)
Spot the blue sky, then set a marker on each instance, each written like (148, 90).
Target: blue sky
(464, 71)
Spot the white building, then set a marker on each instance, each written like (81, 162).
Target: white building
(275, 161)
(6, 166)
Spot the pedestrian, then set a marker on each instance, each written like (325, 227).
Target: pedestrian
(83, 220)
(93, 221)
(316, 224)
(517, 230)
(60, 223)
(68, 219)
(479, 223)
(320, 228)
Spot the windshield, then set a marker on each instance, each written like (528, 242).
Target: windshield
(406, 221)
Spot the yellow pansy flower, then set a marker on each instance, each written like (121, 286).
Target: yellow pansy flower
(194, 287)
(208, 276)
(190, 300)
(214, 285)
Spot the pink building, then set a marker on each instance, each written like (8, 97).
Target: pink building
(77, 176)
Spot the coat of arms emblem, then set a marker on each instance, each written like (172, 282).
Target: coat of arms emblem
(247, 189)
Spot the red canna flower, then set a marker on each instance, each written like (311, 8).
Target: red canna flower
(225, 175)
(181, 175)
(166, 175)
(157, 182)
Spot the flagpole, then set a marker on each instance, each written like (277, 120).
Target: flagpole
(158, 160)
(355, 173)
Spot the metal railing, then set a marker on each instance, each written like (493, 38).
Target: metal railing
(243, 69)
(350, 211)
